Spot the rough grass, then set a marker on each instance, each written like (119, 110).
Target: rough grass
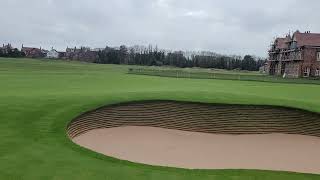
(223, 75)
(202, 70)
(38, 99)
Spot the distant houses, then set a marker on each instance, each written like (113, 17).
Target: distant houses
(77, 54)
(5, 49)
(81, 54)
(32, 52)
(9, 51)
(53, 54)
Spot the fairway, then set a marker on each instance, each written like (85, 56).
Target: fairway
(38, 98)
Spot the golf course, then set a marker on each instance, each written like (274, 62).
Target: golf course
(39, 99)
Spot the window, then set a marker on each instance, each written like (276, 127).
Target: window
(306, 72)
(317, 72)
(318, 56)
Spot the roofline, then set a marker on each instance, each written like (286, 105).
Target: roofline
(310, 46)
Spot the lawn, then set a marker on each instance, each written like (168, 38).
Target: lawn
(39, 97)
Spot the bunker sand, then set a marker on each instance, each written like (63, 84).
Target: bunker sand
(195, 150)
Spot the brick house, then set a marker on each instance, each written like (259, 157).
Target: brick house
(295, 56)
(32, 52)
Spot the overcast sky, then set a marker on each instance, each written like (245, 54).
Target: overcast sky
(223, 26)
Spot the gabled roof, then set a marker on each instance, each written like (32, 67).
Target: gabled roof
(53, 50)
(307, 39)
(302, 39)
(29, 48)
(280, 43)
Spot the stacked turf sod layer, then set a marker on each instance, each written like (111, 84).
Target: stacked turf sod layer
(199, 117)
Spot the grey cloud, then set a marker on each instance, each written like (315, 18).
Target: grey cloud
(223, 26)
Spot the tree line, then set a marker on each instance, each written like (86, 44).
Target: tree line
(152, 56)
(149, 56)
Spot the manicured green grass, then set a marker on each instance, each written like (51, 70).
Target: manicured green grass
(38, 99)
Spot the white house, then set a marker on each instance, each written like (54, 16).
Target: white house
(53, 54)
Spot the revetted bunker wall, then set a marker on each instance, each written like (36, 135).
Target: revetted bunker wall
(199, 117)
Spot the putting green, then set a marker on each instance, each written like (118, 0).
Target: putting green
(39, 98)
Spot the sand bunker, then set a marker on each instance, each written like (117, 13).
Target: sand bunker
(203, 136)
(174, 148)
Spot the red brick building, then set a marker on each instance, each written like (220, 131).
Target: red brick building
(295, 56)
(32, 52)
